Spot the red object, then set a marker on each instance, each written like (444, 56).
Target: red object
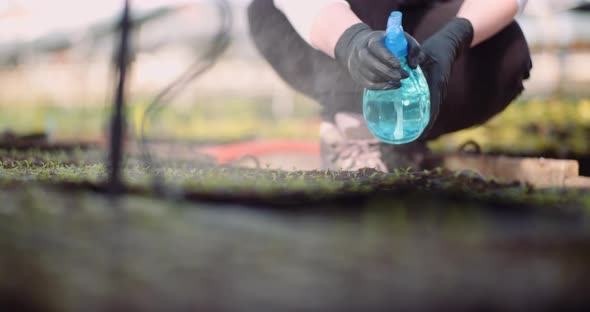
(231, 152)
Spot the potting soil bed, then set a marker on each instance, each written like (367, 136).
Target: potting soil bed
(223, 238)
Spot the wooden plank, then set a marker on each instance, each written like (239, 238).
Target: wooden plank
(578, 182)
(539, 172)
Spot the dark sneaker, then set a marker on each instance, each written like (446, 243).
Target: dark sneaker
(349, 145)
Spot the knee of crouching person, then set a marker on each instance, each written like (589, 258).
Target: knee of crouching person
(510, 64)
(517, 62)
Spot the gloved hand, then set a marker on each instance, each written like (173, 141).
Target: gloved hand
(437, 56)
(363, 53)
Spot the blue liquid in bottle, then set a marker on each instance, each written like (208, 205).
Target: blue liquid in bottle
(398, 116)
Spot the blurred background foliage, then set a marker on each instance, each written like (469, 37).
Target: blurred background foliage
(558, 126)
(528, 127)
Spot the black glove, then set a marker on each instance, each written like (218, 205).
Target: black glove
(437, 56)
(363, 53)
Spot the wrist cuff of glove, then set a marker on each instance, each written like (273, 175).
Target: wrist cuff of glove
(342, 48)
(462, 31)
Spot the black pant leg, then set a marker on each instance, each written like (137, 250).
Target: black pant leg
(304, 68)
(289, 55)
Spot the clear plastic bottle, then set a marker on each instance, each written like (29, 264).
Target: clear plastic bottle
(398, 116)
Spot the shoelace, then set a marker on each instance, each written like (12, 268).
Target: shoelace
(357, 154)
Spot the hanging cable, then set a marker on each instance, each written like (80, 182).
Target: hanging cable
(217, 46)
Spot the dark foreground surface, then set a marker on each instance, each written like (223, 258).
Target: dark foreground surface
(228, 239)
(83, 251)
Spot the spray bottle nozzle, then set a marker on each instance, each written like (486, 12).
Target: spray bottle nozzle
(395, 19)
(395, 39)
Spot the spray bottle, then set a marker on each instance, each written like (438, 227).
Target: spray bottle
(398, 116)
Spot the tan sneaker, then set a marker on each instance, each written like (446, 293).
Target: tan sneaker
(349, 145)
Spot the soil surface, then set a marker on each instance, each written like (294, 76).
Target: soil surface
(221, 238)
